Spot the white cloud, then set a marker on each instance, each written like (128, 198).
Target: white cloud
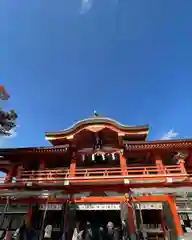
(170, 135)
(85, 6)
(4, 139)
(12, 133)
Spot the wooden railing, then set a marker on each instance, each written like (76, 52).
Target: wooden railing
(100, 174)
(45, 175)
(128, 172)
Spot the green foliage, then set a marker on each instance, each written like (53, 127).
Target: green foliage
(7, 122)
(7, 118)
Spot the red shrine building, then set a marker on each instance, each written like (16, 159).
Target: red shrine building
(100, 171)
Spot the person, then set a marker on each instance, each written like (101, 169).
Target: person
(77, 233)
(110, 231)
(125, 230)
(48, 231)
(88, 235)
(5, 235)
(101, 233)
(116, 233)
(16, 234)
(23, 233)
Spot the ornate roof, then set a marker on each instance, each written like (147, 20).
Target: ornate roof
(31, 150)
(177, 144)
(96, 124)
(184, 144)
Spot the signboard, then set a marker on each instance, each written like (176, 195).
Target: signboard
(51, 207)
(102, 206)
(149, 206)
(112, 206)
(95, 206)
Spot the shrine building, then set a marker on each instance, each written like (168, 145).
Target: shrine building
(99, 170)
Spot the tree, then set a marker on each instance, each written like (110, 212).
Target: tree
(7, 118)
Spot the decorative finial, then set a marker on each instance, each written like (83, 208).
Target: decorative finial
(95, 114)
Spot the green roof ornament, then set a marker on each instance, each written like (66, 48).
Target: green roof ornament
(95, 114)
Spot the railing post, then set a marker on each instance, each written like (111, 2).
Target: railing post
(123, 164)
(72, 168)
(181, 163)
(159, 164)
(42, 164)
(41, 167)
(19, 172)
(180, 160)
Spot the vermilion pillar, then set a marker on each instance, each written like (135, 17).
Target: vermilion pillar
(128, 203)
(28, 217)
(177, 223)
(131, 222)
(131, 219)
(123, 164)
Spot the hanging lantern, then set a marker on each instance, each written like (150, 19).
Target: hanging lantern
(93, 157)
(113, 156)
(103, 157)
(83, 157)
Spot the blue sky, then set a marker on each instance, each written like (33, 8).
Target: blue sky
(129, 60)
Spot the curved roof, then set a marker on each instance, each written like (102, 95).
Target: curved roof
(97, 121)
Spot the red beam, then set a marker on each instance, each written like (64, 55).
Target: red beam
(87, 200)
(105, 187)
